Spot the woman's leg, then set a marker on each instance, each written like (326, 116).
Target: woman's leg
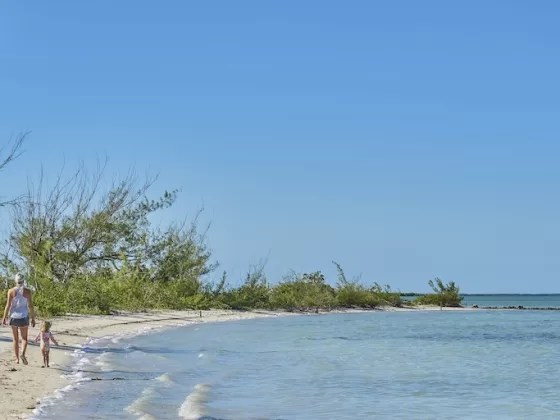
(23, 331)
(15, 336)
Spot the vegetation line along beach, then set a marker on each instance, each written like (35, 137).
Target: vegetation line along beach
(89, 251)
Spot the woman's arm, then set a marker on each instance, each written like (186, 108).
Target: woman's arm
(30, 308)
(8, 303)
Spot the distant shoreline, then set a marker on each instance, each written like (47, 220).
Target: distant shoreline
(417, 308)
(484, 294)
(519, 308)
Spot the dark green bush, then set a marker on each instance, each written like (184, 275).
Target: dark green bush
(446, 295)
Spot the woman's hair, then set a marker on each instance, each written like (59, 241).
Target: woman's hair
(20, 279)
(46, 326)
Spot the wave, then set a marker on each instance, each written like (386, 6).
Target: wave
(209, 418)
(166, 379)
(193, 407)
(76, 377)
(132, 349)
(82, 359)
(92, 361)
(146, 399)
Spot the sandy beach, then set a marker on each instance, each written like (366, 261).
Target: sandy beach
(22, 386)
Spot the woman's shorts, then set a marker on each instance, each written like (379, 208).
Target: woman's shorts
(19, 322)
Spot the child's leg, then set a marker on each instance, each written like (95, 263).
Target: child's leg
(47, 357)
(44, 353)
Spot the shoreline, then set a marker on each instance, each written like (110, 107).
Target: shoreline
(27, 387)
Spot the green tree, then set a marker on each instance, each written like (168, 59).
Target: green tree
(75, 235)
(445, 295)
(7, 156)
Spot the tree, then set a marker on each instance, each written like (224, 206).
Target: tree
(253, 293)
(74, 229)
(7, 156)
(448, 293)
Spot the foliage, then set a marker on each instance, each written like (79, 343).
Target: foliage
(446, 295)
(303, 292)
(352, 293)
(7, 156)
(253, 293)
(88, 251)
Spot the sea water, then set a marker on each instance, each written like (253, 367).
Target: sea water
(379, 365)
(527, 301)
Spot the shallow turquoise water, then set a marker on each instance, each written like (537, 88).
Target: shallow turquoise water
(527, 301)
(380, 365)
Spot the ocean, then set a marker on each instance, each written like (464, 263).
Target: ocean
(381, 365)
(504, 300)
(527, 301)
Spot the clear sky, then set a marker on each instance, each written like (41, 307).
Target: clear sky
(403, 139)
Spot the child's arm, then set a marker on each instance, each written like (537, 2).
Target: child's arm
(54, 340)
(37, 338)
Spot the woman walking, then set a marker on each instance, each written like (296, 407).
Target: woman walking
(19, 308)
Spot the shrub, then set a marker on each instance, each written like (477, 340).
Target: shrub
(303, 292)
(446, 295)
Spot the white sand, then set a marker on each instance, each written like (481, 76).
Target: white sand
(21, 389)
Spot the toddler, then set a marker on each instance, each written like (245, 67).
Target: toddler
(46, 337)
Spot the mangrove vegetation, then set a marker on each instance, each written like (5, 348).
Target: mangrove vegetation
(88, 249)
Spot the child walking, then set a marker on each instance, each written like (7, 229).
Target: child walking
(46, 337)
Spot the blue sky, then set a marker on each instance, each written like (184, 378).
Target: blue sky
(405, 140)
